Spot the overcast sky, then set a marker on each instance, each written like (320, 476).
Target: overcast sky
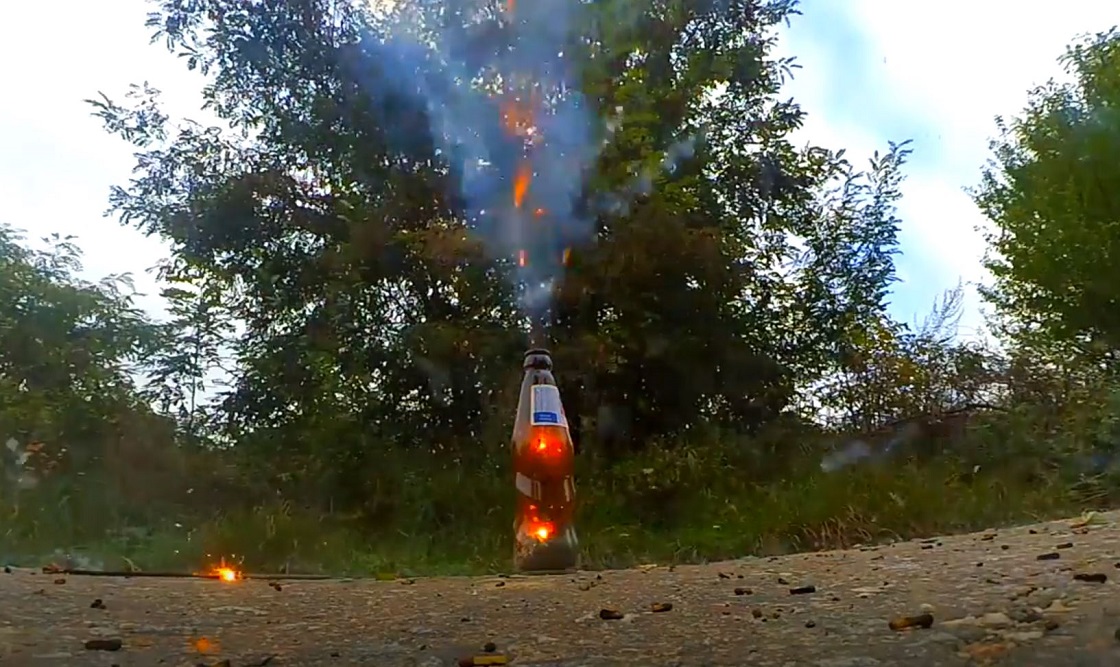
(872, 71)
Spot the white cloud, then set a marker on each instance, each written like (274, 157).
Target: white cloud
(56, 163)
(951, 67)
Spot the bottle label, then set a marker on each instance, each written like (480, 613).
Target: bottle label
(545, 408)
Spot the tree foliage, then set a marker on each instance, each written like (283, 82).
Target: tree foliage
(1052, 196)
(346, 312)
(330, 221)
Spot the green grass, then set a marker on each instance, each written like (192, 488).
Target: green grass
(457, 523)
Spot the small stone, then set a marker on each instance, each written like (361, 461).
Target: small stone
(1004, 547)
(723, 575)
(995, 619)
(110, 644)
(1053, 555)
(610, 614)
(60, 581)
(1091, 578)
(1025, 615)
(1065, 545)
(743, 591)
(782, 581)
(757, 613)
(661, 607)
(923, 621)
(97, 604)
(810, 624)
(489, 647)
(7, 570)
(803, 590)
(502, 583)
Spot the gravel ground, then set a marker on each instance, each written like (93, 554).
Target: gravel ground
(1041, 595)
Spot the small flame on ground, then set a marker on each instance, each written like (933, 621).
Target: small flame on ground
(541, 530)
(224, 572)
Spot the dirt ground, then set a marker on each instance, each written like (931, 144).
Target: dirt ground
(1033, 595)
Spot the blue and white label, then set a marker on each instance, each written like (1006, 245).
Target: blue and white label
(545, 408)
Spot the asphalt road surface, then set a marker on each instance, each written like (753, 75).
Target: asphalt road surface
(1042, 595)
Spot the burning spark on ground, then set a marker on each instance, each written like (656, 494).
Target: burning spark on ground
(204, 645)
(224, 572)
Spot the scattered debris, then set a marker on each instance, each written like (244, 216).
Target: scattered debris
(499, 584)
(923, 621)
(1065, 545)
(986, 652)
(482, 660)
(782, 581)
(59, 581)
(261, 661)
(810, 624)
(276, 585)
(757, 613)
(610, 614)
(803, 590)
(723, 575)
(988, 537)
(743, 591)
(104, 644)
(1086, 519)
(97, 604)
(1053, 555)
(658, 607)
(489, 647)
(1091, 577)
(7, 569)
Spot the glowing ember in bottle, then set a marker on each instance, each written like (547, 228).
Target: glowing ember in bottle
(542, 531)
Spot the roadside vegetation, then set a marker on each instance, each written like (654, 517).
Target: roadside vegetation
(333, 385)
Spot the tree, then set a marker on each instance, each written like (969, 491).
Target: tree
(70, 353)
(342, 218)
(1052, 193)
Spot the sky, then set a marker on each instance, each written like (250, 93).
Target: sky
(871, 71)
